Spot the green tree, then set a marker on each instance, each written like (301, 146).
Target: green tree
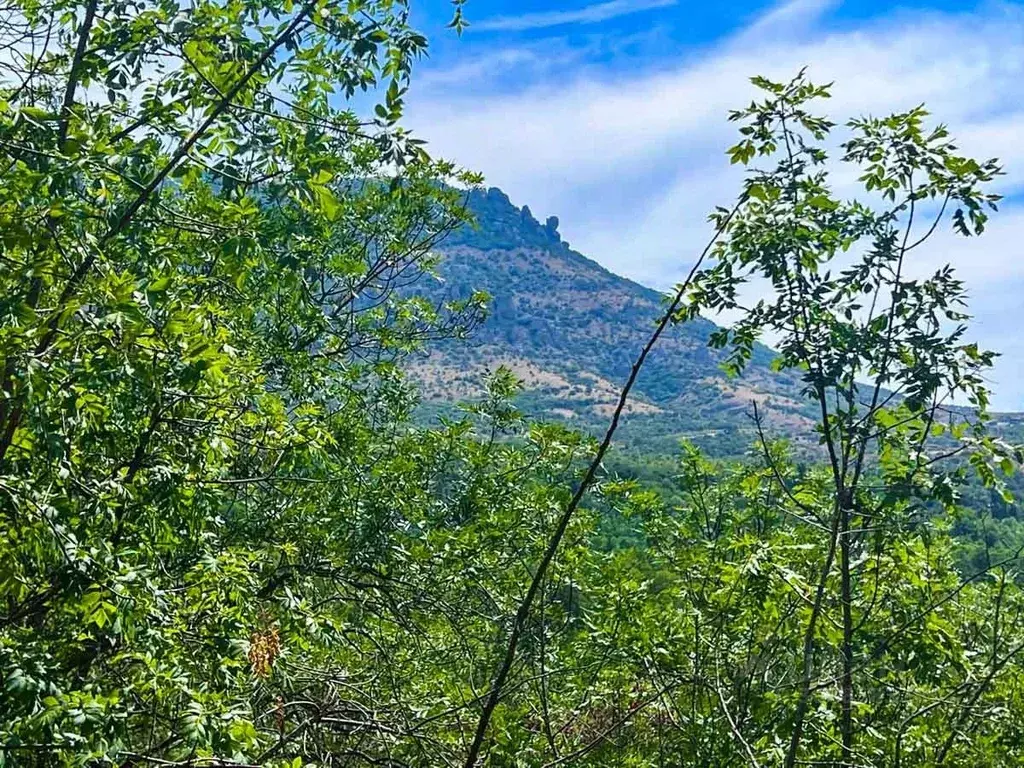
(202, 257)
(899, 392)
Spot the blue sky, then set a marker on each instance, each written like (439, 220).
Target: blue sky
(611, 115)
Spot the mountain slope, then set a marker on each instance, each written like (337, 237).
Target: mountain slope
(571, 329)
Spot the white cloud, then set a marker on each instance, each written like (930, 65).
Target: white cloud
(786, 19)
(631, 160)
(590, 14)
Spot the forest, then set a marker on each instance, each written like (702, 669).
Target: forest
(226, 540)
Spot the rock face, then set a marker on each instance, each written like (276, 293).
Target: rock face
(571, 329)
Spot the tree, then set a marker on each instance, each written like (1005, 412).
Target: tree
(816, 663)
(900, 395)
(202, 270)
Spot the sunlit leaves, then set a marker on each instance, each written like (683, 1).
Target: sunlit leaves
(205, 268)
(899, 398)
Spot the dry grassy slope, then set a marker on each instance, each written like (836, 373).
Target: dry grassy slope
(570, 329)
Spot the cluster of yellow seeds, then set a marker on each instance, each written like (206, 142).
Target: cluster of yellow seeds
(264, 648)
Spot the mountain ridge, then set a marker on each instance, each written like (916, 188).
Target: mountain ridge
(571, 328)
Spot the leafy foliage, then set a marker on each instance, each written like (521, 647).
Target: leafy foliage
(226, 542)
(880, 352)
(201, 259)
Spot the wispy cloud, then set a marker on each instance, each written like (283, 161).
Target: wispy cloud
(632, 159)
(787, 19)
(590, 14)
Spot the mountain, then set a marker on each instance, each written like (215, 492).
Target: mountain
(571, 329)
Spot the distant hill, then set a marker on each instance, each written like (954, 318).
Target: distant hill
(570, 329)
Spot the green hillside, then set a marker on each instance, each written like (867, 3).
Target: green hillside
(571, 329)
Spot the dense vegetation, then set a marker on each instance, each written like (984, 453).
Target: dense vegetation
(227, 542)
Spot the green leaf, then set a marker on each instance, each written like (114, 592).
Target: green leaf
(326, 201)
(822, 202)
(159, 285)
